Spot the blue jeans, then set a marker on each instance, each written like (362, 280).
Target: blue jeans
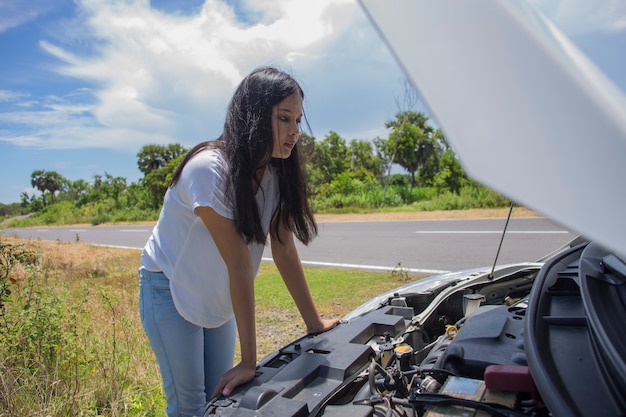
(191, 358)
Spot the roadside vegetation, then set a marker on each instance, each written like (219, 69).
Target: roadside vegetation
(71, 340)
(352, 176)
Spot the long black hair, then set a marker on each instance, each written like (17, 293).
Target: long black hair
(247, 143)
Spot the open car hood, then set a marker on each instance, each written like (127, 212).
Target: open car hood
(527, 113)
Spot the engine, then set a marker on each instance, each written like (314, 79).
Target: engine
(477, 367)
(453, 350)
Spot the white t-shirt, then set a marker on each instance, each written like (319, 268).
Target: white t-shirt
(183, 249)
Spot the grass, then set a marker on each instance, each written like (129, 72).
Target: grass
(335, 291)
(71, 340)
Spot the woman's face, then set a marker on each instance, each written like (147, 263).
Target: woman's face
(286, 117)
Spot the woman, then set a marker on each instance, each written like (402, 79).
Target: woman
(198, 267)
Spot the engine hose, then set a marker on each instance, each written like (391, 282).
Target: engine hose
(372, 376)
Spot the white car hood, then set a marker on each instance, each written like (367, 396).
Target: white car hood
(528, 114)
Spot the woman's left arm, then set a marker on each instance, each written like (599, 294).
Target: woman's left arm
(287, 261)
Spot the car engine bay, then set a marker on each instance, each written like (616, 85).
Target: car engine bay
(450, 345)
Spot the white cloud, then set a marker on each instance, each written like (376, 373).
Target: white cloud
(10, 96)
(153, 77)
(61, 124)
(14, 14)
(166, 78)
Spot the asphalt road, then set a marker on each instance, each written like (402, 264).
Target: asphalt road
(424, 246)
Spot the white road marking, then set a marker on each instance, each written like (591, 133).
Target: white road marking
(368, 267)
(499, 232)
(116, 246)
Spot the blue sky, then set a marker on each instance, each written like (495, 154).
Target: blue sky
(84, 84)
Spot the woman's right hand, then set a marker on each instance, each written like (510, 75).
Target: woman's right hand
(238, 375)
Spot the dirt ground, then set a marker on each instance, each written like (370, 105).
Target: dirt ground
(427, 215)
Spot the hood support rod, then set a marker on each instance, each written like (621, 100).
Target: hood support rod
(506, 225)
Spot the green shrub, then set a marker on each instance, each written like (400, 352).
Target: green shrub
(55, 361)
(378, 198)
(470, 196)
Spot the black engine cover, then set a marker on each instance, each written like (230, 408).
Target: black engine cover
(492, 335)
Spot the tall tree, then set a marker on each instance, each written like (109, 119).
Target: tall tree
(48, 183)
(331, 157)
(158, 162)
(412, 141)
(109, 187)
(450, 175)
(387, 149)
(153, 156)
(157, 181)
(78, 191)
(363, 161)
